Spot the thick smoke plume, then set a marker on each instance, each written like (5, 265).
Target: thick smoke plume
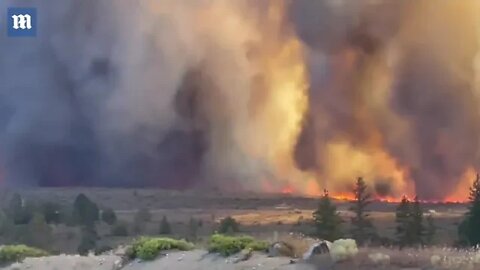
(399, 97)
(267, 96)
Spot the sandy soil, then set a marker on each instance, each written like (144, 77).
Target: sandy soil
(201, 260)
(67, 262)
(191, 260)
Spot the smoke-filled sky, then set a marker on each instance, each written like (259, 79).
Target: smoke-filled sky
(256, 95)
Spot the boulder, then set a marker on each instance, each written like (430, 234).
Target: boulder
(319, 248)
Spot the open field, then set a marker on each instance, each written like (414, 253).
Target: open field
(263, 216)
(266, 217)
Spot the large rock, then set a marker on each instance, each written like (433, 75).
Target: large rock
(319, 248)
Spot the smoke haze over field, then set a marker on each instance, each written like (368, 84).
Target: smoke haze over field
(273, 96)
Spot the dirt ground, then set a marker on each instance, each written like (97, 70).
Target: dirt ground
(408, 259)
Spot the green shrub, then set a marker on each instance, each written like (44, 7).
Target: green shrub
(229, 245)
(228, 225)
(148, 248)
(258, 246)
(17, 253)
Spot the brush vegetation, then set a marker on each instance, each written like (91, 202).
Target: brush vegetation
(16, 253)
(229, 245)
(147, 248)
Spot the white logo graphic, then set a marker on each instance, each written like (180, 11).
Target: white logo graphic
(22, 21)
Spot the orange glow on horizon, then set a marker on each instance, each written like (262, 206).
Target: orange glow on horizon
(288, 190)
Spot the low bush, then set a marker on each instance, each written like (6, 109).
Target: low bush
(229, 245)
(16, 253)
(149, 248)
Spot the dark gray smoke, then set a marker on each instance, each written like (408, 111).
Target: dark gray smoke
(66, 99)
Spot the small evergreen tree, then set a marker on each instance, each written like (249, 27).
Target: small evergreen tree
(109, 216)
(41, 233)
(52, 212)
(19, 210)
(362, 227)
(416, 223)
(192, 229)
(327, 220)
(431, 230)
(402, 218)
(85, 212)
(165, 226)
(228, 225)
(6, 225)
(88, 241)
(468, 231)
(15, 206)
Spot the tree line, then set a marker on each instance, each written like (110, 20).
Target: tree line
(413, 226)
(27, 222)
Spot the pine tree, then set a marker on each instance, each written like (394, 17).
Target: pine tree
(416, 223)
(52, 212)
(192, 229)
(327, 220)
(88, 241)
(228, 225)
(362, 227)
(402, 218)
(85, 212)
(468, 231)
(41, 232)
(6, 225)
(19, 211)
(431, 230)
(165, 226)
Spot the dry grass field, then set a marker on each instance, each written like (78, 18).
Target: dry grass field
(263, 216)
